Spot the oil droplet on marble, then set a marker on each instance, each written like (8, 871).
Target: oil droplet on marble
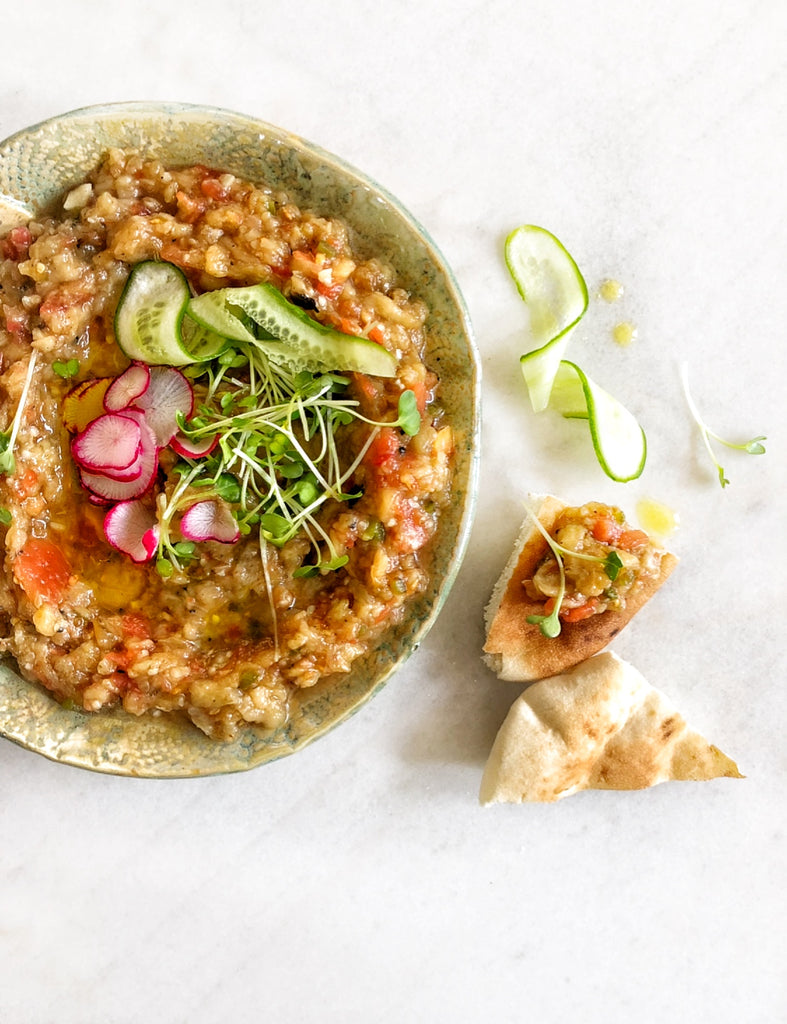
(610, 290)
(624, 333)
(657, 519)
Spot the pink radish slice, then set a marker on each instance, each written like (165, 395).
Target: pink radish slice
(111, 442)
(123, 476)
(168, 394)
(84, 403)
(94, 499)
(105, 486)
(193, 449)
(131, 527)
(126, 389)
(210, 520)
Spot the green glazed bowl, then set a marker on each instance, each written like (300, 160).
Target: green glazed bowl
(40, 163)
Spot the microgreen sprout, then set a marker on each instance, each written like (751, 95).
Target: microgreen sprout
(752, 447)
(277, 461)
(66, 370)
(611, 563)
(8, 438)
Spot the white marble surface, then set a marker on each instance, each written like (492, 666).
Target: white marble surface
(359, 880)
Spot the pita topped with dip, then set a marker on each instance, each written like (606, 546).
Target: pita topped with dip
(610, 571)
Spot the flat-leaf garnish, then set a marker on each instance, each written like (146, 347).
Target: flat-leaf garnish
(752, 447)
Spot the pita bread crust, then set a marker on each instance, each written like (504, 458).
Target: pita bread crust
(598, 726)
(516, 649)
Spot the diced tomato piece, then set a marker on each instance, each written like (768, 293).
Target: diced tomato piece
(418, 388)
(60, 308)
(583, 611)
(367, 386)
(384, 448)
(189, 208)
(136, 626)
(411, 532)
(213, 189)
(16, 320)
(24, 484)
(371, 395)
(605, 530)
(171, 252)
(121, 658)
(42, 571)
(330, 291)
(377, 334)
(632, 540)
(16, 243)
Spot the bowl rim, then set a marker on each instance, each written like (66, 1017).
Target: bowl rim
(163, 109)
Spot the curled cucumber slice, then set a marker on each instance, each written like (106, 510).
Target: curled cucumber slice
(150, 312)
(556, 295)
(554, 289)
(618, 440)
(293, 337)
(211, 311)
(150, 320)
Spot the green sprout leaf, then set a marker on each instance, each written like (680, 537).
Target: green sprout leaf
(305, 571)
(228, 488)
(66, 370)
(550, 624)
(8, 437)
(409, 416)
(7, 460)
(752, 447)
(612, 565)
(6, 517)
(164, 567)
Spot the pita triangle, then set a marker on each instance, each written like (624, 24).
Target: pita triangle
(598, 726)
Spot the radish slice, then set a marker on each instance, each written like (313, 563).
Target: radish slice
(210, 520)
(94, 499)
(131, 527)
(84, 403)
(184, 445)
(132, 472)
(168, 394)
(126, 389)
(111, 442)
(105, 486)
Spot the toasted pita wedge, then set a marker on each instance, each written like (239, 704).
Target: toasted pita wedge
(598, 726)
(516, 649)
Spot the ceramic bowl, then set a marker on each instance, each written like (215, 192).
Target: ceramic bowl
(37, 165)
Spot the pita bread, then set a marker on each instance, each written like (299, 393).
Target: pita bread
(517, 650)
(598, 726)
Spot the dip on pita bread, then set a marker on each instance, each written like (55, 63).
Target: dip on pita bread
(594, 607)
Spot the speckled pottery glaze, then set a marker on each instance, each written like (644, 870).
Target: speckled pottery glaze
(40, 163)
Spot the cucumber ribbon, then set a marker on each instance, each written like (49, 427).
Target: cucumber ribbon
(554, 290)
